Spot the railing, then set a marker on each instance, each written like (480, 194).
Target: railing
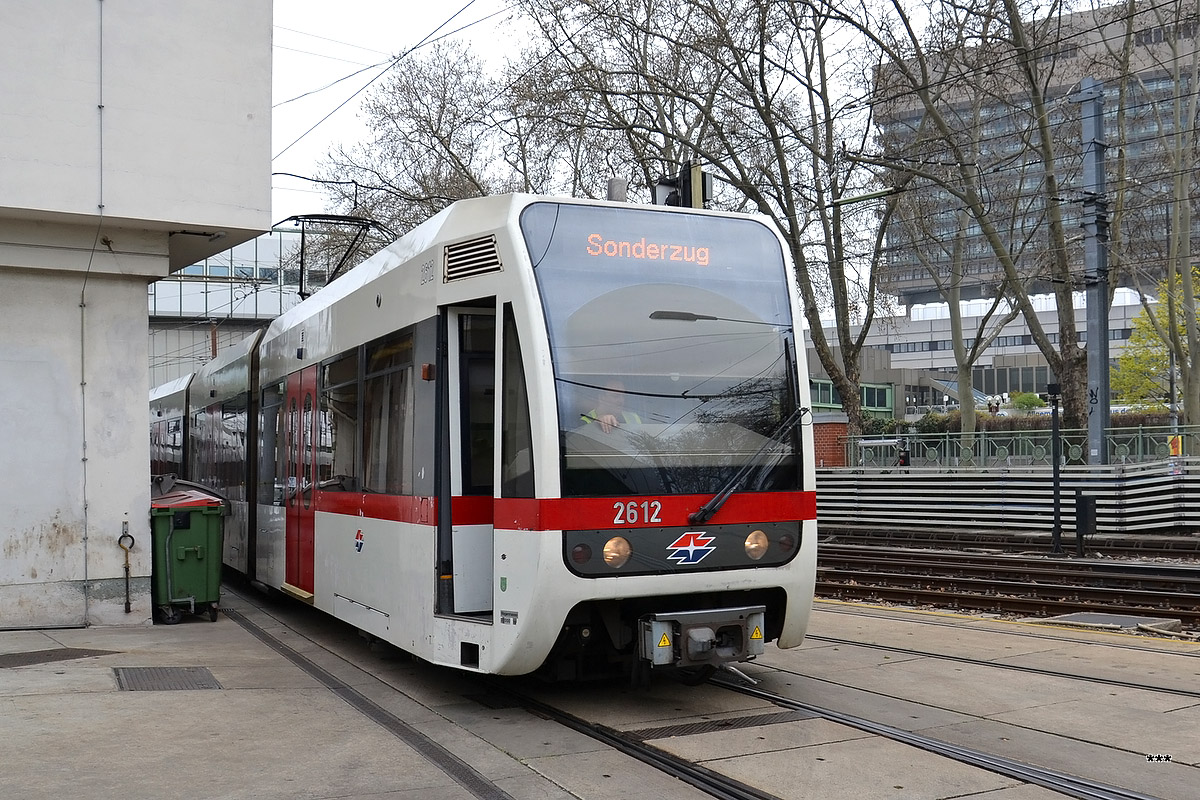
(1017, 449)
(1159, 497)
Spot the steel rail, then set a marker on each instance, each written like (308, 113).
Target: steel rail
(1024, 632)
(1173, 578)
(1054, 780)
(1139, 545)
(451, 765)
(1024, 585)
(1050, 673)
(1006, 584)
(706, 780)
(1027, 602)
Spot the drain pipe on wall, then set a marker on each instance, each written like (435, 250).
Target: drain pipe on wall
(87, 611)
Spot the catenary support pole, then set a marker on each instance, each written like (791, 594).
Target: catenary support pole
(1095, 225)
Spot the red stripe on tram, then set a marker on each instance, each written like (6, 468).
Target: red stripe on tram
(612, 513)
(583, 513)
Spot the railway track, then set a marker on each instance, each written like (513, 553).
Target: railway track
(653, 745)
(1054, 780)
(718, 785)
(1004, 583)
(1143, 546)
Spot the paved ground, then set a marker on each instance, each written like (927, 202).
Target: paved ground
(70, 726)
(68, 729)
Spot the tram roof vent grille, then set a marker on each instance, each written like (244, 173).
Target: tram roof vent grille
(471, 258)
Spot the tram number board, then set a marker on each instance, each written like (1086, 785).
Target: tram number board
(634, 512)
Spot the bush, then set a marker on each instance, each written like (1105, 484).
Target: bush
(883, 426)
(952, 422)
(931, 423)
(1137, 419)
(1027, 401)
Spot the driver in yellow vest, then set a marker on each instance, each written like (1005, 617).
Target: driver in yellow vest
(610, 410)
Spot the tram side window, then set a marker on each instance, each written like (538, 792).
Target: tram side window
(166, 447)
(271, 451)
(388, 416)
(516, 433)
(198, 433)
(174, 447)
(231, 446)
(337, 425)
(157, 458)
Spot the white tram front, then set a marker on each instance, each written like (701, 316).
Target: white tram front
(533, 434)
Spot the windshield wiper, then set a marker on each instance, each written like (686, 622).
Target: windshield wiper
(705, 512)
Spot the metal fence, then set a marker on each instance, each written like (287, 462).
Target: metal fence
(1153, 497)
(1025, 448)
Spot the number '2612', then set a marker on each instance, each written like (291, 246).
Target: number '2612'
(633, 512)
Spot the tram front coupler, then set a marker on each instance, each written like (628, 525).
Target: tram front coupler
(703, 638)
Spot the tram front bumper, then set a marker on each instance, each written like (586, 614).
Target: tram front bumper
(695, 638)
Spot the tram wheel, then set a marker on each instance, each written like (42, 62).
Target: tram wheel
(639, 675)
(694, 676)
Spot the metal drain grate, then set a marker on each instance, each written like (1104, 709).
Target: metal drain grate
(47, 656)
(713, 726)
(164, 679)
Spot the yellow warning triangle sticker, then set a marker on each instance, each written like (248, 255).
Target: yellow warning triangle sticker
(756, 633)
(664, 641)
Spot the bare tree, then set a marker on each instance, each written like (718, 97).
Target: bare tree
(757, 91)
(1154, 64)
(1007, 54)
(432, 140)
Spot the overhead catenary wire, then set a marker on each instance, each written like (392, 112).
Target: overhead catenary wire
(1057, 43)
(387, 67)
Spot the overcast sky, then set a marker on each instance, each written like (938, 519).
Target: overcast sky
(318, 46)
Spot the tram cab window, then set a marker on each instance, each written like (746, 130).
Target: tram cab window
(516, 431)
(681, 325)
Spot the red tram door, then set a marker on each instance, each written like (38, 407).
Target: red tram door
(301, 443)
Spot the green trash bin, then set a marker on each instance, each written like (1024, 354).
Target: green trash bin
(188, 534)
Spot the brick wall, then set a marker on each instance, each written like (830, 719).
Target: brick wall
(829, 440)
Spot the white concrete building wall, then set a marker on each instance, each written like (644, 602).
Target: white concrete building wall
(76, 455)
(134, 139)
(159, 111)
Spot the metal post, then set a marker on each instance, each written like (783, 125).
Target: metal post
(1095, 225)
(1174, 408)
(1052, 390)
(1085, 518)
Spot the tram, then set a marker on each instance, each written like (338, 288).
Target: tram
(532, 435)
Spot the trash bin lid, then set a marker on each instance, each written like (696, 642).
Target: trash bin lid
(186, 498)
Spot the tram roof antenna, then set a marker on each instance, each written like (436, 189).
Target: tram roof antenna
(361, 225)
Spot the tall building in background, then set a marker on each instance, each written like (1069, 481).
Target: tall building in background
(1142, 108)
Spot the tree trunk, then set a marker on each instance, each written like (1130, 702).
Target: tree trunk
(1072, 378)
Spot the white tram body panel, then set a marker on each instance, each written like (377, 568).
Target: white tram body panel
(431, 460)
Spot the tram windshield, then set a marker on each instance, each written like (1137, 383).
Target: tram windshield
(671, 341)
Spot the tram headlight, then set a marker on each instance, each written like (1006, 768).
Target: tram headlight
(581, 553)
(756, 545)
(617, 551)
(787, 543)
